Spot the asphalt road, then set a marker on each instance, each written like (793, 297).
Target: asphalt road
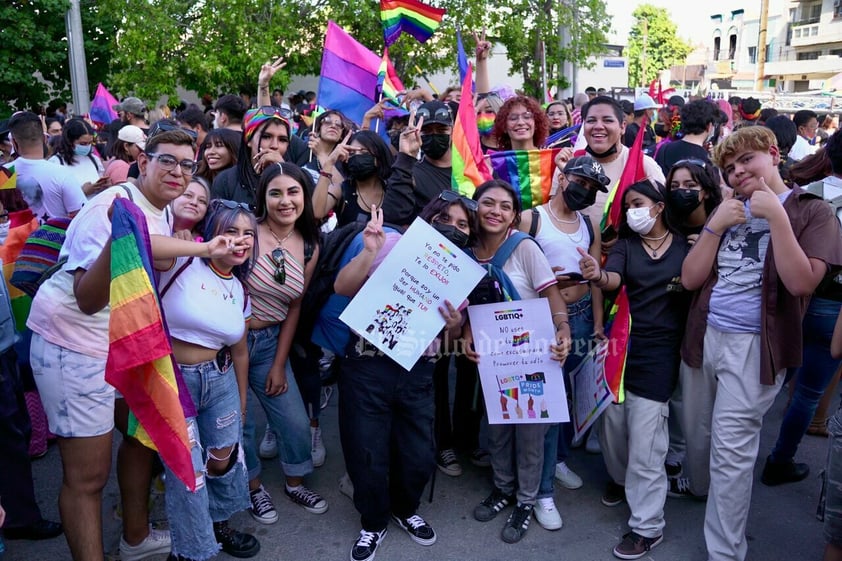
(782, 523)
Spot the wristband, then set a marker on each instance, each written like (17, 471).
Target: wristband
(559, 314)
(327, 174)
(706, 229)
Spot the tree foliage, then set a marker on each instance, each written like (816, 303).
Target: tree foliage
(653, 44)
(149, 48)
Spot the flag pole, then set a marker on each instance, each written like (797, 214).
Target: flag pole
(429, 83)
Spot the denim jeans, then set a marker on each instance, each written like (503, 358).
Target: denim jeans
(217, 425)
(386, 428)
(816, 372)
(285, 412)
(559, 435)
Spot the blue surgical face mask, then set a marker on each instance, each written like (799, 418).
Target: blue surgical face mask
(82, 150)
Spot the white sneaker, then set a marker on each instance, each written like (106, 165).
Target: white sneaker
(268, 448)
(566, 476)
(346, 486)
(317, 447)
(547, 514)
(157, 542)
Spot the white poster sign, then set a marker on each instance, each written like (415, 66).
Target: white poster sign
(397, 309)
(591, 395)
(520, 383)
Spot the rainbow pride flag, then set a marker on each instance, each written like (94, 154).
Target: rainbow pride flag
(529, 171)
(469, 168)
(414, 17)
(511, 393)
(140, 362)
(8, 177)
(619, 322)
(521, 339)
(385, 84)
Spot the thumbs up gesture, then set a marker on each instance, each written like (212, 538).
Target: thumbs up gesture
(588, 265)
(765, 202)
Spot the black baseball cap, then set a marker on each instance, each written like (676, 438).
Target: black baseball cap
(435, 112)
(587, 167)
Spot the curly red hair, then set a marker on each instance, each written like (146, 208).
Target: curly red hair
(501, 125)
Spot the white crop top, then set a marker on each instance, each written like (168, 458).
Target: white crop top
(560, 247)
(204, 307)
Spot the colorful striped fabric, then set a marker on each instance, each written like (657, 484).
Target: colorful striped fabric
(8, 177)
(102, 106)
(529, 171)
(561, 136)
(469, 168)
(416, 18)
(618, 326)
(140, 362)
(385, 84)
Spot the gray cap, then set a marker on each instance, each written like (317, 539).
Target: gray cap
(587, 167)
(131, 105)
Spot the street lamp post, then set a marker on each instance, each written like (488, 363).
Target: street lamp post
(76, 55)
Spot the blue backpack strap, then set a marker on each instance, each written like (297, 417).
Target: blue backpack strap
(505, 251)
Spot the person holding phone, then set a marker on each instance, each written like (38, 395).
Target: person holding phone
(75, 150)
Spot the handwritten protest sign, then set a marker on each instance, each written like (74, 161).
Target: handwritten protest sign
(396, 310)
(520, 383)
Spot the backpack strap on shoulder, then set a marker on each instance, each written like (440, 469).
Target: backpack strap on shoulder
(589, 226)
(505, 251)
(536, 221)
(172, 279)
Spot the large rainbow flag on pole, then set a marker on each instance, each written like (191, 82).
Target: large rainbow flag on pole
(140, 362)
(618, 324)
(529, 171)
(469, 168)
(414, 17)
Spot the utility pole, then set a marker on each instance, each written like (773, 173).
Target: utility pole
(761, 44)
(565, 68)
(76, 56)
(643, 54)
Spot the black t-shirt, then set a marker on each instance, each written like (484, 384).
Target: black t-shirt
(649, 139)
(226, 185)
(659, 307)
(430, 181)
(350, 210)
(678, 150)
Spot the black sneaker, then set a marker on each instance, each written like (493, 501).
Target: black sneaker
(234, 543)
(775, 473)
(307, 498)
(673, 470)
(517, 524)
(481, 458)
(635, 546)
(492, 505)
(366, 545)
(614, 494)
(679, 488)
(417, 528)
(448, 464)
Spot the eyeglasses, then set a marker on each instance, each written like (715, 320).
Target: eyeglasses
(216, 203)
(453, 196)
(160, 127)
(280, 275)
(692, 161)
(337, 124)
(525, 116)
(271, 110)
(168, 163)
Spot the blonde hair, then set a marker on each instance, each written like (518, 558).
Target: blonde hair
(748, 139)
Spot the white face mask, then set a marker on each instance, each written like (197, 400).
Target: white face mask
(4, 232)
(640, 220)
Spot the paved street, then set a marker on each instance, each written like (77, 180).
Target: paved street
(782, 524)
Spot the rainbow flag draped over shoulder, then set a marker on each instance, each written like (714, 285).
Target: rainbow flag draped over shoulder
(140, 362)
(618, 324)
(416, 18)
(469, 169)
(529, 171)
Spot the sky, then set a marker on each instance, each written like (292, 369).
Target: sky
(691, 17)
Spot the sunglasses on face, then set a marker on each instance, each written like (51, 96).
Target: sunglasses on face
(280, 275)
(453, 196)
(168, 163)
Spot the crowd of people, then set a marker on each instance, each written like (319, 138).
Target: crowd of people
(728, 251)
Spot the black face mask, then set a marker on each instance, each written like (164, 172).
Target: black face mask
(452, 233)
(361, 166)
(435, 145)
(578, 196)
(684, 201)
(610, 152)
(395, 139)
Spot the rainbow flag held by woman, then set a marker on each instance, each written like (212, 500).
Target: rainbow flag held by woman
(414, 17)
(140, 362)
(469, 168)
(530, 172)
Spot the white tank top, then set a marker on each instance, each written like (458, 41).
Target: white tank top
(560, 247)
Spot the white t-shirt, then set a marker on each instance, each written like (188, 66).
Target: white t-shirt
(202, 306)
(528, 269)
(801, 149)
(48, 189)
(55, 315)
(84, 168)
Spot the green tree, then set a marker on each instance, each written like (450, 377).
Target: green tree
(653, 45)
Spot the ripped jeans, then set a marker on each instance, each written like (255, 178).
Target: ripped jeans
(216, 498)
